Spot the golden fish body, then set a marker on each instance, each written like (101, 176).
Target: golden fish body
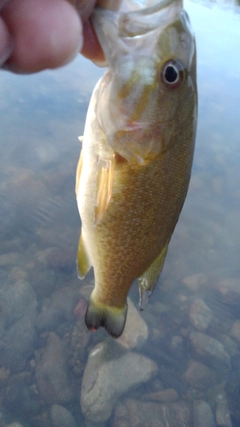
(136, 158)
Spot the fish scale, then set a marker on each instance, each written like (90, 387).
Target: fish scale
(136, 158)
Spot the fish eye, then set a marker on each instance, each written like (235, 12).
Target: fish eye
(172, 74)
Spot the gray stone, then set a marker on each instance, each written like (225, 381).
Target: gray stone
(200, 315)
(16, 424)
(132, 413)
(42, 280)
(19, 398)
(17, 300)
(14, 258)
(223, 418)
(52, 373)
(3, 422)
(89, 423)
(199, 376)
(209, 348)
(110, 372)
(4, 376)
(61, 417)
(202, 414)
(166, 395)
(230, 345)
(18, 344)
(41, 420)
(235, 331)
(229, 288)
(57, 309)
(135, 332)
(195, 281)
(59, 258)
(17, 331)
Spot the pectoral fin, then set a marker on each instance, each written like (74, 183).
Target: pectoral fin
(149, 278)
(78, 172)
(83, 260)
(104, 186)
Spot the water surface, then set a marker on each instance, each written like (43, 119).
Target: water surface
(41, 117)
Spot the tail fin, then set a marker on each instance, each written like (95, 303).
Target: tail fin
(111, 318)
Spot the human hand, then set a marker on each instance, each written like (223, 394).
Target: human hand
(39, 34)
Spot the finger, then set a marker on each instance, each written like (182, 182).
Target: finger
(46, 34)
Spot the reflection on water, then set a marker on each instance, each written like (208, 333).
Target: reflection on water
(187, 372)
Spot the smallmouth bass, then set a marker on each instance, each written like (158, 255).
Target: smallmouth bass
(135, 163)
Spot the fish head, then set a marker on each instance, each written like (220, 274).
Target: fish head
(149, 89)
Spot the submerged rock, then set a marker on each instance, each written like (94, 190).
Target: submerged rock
(195, 281)
(16, 424)
(166, 395)
(200, 315)
(202, 414)
(52, 373)
(17, 344)
(223, 417)
(135, 332)
(61, 417)
(20, 398)
(89, 423)
(17, 301)
(17, 331)
(58, 309)
(110, 372)
(41, 420)
(145, 414)
(12, 258)
(210, 349)
(235, 331)
(199, 376)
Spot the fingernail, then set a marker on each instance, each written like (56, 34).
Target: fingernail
(100, 63)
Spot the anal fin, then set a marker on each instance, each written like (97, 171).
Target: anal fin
(104, 186)
(149, 278)
(83, 260)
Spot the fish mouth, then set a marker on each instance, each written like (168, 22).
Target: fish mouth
(113, 28)
(137, 19)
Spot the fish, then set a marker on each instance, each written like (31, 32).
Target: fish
(137, 151)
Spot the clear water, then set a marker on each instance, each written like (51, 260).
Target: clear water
(41, 118)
